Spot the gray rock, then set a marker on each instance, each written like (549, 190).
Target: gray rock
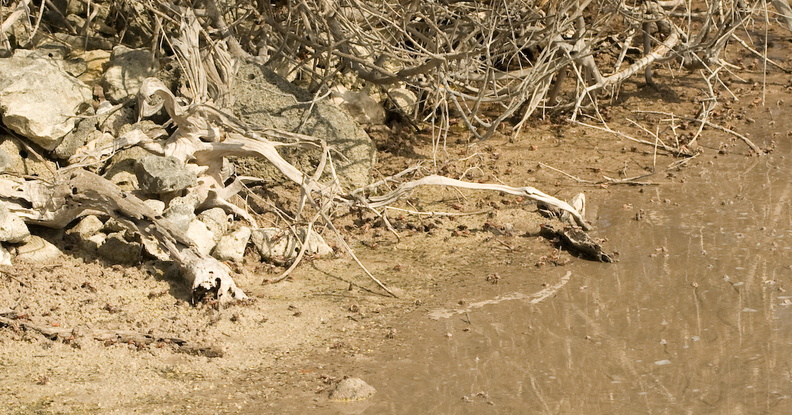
(39, 100)
(37, 250)
(85, 228)
(232, 246)
(120, 251)
(203, 238)
(352, 389)
(126, 71)
(216, 221)
(265, 99)
(12, 227)
(157, 174)
(278, 244)
(181, 214)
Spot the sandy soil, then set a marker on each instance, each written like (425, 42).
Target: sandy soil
(301, 334)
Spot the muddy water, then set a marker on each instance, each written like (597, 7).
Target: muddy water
(695, 318)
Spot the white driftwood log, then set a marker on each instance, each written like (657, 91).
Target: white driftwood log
(528, 192)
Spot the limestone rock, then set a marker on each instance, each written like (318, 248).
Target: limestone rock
(204, 238)
(216, 221)
(156, 205)
(352, 389)
(93, 242)
(265, 99)
(112, 225)
(157, 174)
(279, 244)
(5, 256)
(404, 100)
(12, 227)
(118, 250)
(85, 228)
(126, 71)
(15, 158)
(95, 61)
(181, 214)
(232, 246)
(39, 100)
(37, 250)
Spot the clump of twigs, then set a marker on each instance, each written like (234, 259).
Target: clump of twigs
(478, 63)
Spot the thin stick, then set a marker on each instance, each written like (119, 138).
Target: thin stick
(673, 150)
(758, 151)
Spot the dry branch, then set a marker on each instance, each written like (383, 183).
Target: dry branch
(528, 192)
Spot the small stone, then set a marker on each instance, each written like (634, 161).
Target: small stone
(37, 250)
(202, 236)
(216, 221)
(85, 132)
(5, 256)
(112, 225)
(232, 246)
(360, 106)
(180, 214)
(404, 100)
(12, 227)
(352, 389)
(84, 229)
(15, 158)
(92, 243)
(157, 175)
(118, 250)
(156, 205)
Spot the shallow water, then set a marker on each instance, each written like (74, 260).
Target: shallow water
(696, 317)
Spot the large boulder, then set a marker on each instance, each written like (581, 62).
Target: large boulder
(39, 99)
(266, 100)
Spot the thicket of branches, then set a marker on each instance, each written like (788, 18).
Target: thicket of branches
(479, 61)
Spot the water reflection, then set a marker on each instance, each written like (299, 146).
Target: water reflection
(695, 318)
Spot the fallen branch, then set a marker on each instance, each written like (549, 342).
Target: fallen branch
(434, 180)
